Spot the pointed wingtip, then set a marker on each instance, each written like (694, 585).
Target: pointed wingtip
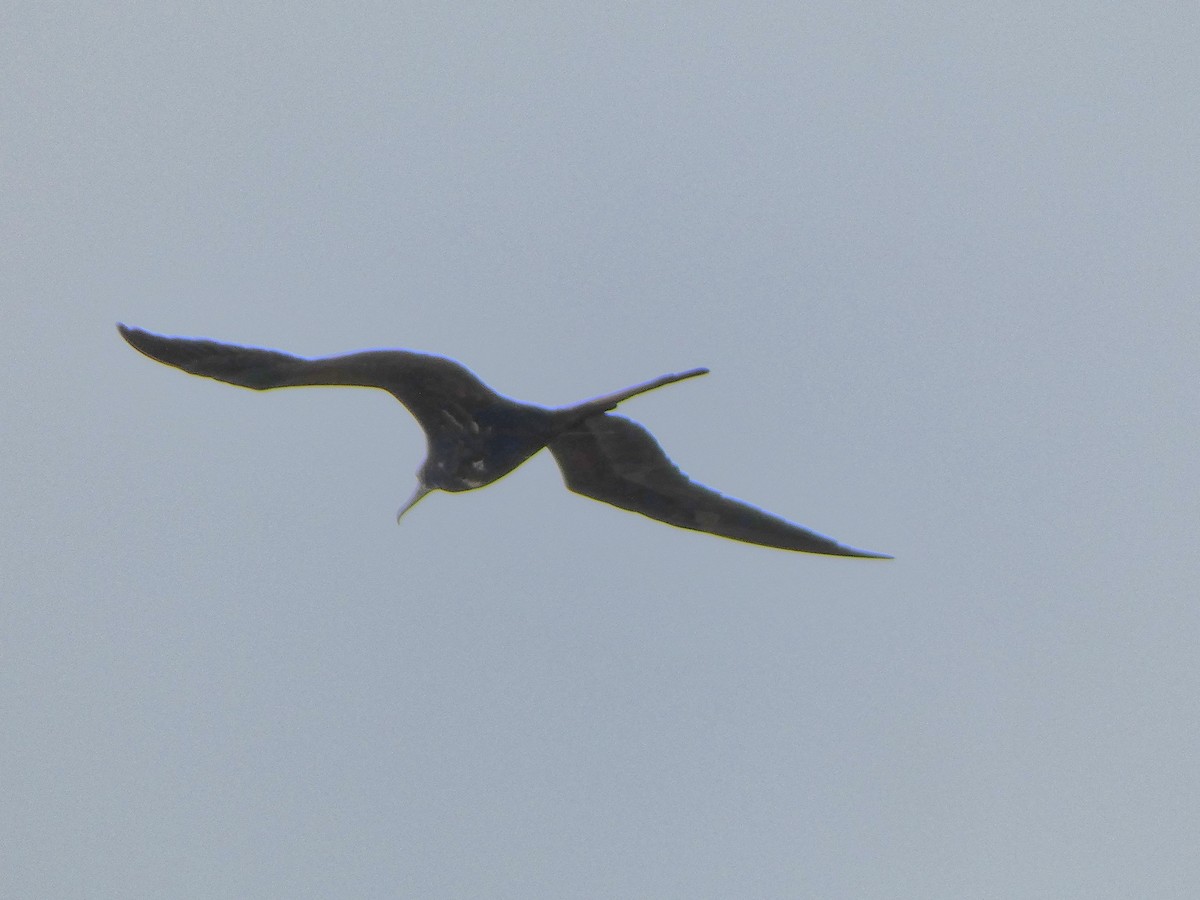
(864, 554)
(129, 334)
(844, 551)
(128, 331)
(138, 339)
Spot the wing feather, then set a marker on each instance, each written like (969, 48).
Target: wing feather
(249, 367)
(429, 386)
(615, 460)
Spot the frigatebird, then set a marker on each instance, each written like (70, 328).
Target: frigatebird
(476, 436)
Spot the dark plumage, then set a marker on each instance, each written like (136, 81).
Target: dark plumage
(476, 436)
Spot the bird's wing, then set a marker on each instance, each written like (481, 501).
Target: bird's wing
(428, 385)
(249, 367)
(617, 461)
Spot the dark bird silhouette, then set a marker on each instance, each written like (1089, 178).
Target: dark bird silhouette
(476, 436)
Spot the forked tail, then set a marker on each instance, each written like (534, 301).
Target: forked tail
(610, 401)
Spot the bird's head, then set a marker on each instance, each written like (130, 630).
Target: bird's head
(434, 475)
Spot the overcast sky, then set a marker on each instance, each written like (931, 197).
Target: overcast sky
(942, 261)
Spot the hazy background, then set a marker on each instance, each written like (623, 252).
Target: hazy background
(942, 261)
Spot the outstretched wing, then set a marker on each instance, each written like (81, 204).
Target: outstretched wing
(432, 387)
(249, 367)
(617, 461)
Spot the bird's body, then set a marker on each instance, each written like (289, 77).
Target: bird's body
(476, 436)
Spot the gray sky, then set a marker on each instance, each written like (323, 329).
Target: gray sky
(943, 264)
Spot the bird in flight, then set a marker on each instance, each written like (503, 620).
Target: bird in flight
(475, 436)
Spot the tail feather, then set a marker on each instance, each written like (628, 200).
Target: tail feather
(608, 402)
